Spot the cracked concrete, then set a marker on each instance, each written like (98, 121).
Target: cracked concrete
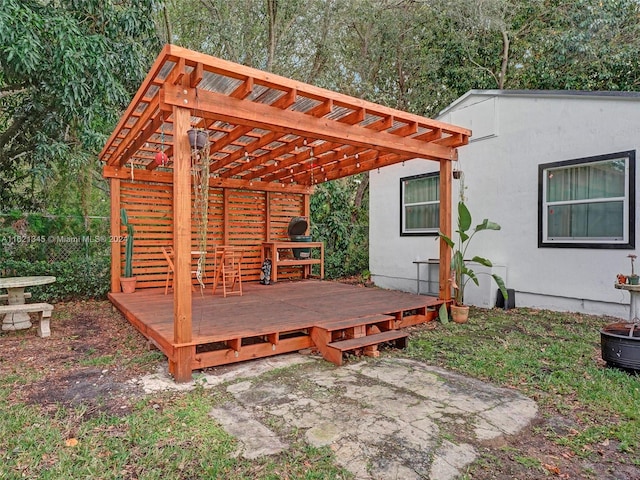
(389, 418)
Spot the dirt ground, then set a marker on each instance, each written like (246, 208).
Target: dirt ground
(93, 353)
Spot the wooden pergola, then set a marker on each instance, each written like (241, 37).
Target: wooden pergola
(268, 134)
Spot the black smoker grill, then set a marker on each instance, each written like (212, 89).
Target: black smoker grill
(297, 228)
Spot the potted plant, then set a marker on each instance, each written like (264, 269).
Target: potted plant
(127, 280)
(461, 272)
(633, 278)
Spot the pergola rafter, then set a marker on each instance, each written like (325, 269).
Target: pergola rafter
(245, 110)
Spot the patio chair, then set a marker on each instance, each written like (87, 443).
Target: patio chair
(168, 255)
(228, 268)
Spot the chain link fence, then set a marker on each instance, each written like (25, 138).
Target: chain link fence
(53, 238)
(74, 249)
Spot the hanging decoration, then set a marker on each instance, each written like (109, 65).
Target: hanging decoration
(200, 170)
(201, 173)
(161, 158)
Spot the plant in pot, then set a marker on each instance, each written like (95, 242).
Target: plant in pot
(461, 272)
(127, 280)
(633, 278)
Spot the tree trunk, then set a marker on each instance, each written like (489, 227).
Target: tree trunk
(272, 12)
(505, 59)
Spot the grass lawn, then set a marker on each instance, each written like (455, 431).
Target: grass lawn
(67, 409)
(589, 411)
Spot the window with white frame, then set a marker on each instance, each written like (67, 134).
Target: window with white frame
(588, 202)
(420, 204)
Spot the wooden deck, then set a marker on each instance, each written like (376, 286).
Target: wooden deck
(278, 318)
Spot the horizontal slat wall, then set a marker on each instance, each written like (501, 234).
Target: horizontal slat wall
(149, 207)
(246, 227)
(243, 213)
(285, 206)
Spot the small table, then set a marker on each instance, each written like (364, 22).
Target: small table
(431, 261)
(15, 295)
(634, 291)
(270, 250)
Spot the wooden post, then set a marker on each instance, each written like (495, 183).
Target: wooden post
(267, 219)
(306, 210)
(115, 235)
(182, 244)
(225, 215)
(445, 227)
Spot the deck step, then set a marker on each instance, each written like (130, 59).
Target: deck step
(368, 340)
(352, 322)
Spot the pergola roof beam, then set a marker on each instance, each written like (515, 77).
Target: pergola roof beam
(244, 112)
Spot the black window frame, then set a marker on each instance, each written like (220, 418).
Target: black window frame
(631, 186)
(402, 209)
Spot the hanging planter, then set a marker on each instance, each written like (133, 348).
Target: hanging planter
(197, 138)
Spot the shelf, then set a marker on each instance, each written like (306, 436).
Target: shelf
(270, 250)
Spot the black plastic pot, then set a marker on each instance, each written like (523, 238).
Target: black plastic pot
(197, 138)
(620, 345)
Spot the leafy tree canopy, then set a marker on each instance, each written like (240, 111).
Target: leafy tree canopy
(67, 68)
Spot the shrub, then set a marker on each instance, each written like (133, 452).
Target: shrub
(78, 278)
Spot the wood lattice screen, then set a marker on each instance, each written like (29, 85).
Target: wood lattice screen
(235, 217)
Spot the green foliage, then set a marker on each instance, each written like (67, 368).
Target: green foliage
(337, 221)
(75, 252)
(36, 236)
(66, 71)
(462, 272)
(76, 278)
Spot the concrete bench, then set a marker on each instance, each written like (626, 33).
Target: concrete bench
(5, 296)
(44, 311)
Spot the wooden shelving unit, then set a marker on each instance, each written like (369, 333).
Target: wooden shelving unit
(270, 250)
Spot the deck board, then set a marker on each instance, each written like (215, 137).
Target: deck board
(263, 309)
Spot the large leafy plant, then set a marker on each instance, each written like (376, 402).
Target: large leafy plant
(461, 272)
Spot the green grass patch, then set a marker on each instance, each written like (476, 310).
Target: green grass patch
(552, 357)
(99, 361)
(167, 436)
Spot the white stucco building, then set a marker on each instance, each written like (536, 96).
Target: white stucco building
(556, 169)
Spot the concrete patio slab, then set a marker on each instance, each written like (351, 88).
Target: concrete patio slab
(388, 418)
